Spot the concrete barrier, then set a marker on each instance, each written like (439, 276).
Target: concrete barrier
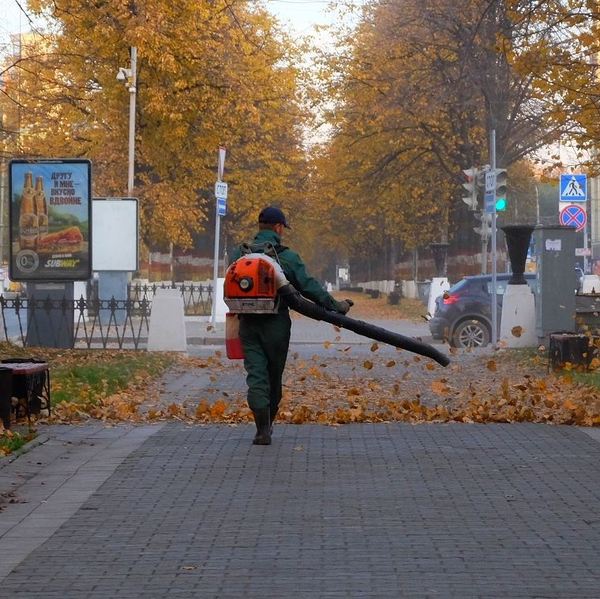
(517, 323)
(437, 288)
(221, 306)
(167, 325)
(409, 289)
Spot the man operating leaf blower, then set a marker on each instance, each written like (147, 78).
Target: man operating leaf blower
(265, 335)
(264, 279)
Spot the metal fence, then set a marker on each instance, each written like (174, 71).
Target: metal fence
(92, 323)
(197, 298)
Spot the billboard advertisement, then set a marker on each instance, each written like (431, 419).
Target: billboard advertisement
(115, 234)
(50, 220)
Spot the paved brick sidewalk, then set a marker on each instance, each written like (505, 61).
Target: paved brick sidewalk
(43, 488)
(353, 511)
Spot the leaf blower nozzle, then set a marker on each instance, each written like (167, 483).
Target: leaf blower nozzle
(294, 300)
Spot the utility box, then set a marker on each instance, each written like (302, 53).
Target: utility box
(556, 280)
(50, 313)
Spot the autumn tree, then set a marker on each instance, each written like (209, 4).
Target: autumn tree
(416, 88)
(209, 74)
(556, 46)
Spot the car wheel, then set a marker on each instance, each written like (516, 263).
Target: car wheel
(471, 333)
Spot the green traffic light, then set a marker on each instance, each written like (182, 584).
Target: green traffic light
(500, 204)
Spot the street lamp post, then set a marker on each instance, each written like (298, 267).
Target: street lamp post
(129, 77)
(2, 188)
(113, 284)
(132, 98)
(3, 198)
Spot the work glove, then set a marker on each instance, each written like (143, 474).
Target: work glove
(344, 306)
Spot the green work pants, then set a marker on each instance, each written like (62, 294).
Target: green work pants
(265, 339)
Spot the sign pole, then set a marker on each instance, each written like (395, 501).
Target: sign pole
(218, 211)
(572, 205)
(585, 249)
(213, 314)
(494, 257)
(485, 235)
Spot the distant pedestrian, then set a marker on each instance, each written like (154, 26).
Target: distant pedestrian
(266, 337)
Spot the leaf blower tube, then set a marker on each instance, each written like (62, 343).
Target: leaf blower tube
(256, 282)
(294, 300)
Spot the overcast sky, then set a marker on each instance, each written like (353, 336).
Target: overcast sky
(299, 15)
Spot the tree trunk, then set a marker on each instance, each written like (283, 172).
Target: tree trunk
(393, 258)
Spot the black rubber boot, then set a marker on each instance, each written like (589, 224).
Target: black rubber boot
(263, 427)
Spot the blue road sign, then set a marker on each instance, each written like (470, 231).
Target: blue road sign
(221, 206)
(573, 216)
(573, 188)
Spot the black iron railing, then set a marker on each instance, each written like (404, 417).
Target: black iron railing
(197, 299)
(92, 323)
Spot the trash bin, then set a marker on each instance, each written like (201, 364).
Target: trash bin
(395, 296)
(572, 348)
(28, 387)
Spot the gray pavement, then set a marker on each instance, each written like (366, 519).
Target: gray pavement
(42, 488)
(200, 331)
(364, 510)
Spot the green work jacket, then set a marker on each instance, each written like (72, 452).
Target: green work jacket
(295, 271)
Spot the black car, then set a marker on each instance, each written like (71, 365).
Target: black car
(463, 314)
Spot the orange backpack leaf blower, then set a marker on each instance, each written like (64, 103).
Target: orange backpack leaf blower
(251, 286)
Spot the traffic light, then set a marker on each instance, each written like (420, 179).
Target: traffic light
(485, 229)
(501, 189)
(471, 186)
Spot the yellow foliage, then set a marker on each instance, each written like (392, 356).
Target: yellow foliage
(209, 74)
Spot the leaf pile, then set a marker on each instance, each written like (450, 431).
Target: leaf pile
(340, 389)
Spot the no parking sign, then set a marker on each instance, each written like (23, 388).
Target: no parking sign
(573, 216)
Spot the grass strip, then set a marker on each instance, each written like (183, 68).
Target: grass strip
(88, 376)
(538, 360)
(11, 441)
(87, 379)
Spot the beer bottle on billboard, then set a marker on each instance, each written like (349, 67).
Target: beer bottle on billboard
(41, 208)
(28, 221)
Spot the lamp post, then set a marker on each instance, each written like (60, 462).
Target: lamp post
(2, 204)
(2, 188)
(129, 77)
(113, 284)
(3, 195)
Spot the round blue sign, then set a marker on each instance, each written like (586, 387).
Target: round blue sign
(573, 216)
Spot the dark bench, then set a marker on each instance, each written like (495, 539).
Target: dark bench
(28, 380)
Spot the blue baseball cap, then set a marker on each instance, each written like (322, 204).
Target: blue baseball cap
(272, 215)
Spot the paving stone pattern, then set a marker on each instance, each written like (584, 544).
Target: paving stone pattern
(44, 487)
(353, 511)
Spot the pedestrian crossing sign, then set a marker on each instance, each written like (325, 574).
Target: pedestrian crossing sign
(573, 188)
